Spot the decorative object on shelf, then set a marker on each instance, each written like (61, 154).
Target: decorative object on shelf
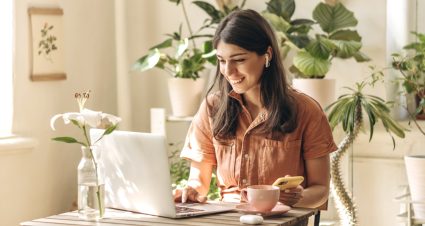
(47, 43)
(348, 111)
(315, 52)
(91, 184)
(187, 60)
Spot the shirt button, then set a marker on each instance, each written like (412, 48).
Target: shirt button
(246, 156)
(244, 181)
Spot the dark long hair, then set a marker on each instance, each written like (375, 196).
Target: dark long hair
(249, 30)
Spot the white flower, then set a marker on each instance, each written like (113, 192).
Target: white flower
(87, 117)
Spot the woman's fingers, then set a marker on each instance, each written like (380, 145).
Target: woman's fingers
(177, 193)
(291, 196)
(188, 194)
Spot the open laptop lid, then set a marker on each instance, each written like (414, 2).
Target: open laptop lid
(137, 175)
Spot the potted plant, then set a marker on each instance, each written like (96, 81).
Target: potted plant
(184, 60)
(411, 67)
(412, 70)
(348, 111)
(315, 51)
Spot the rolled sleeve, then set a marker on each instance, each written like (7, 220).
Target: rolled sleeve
(198, 145)
(317, 138)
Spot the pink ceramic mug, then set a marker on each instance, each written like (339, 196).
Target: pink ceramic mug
(261, 197)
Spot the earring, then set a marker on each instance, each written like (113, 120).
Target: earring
(267, 61)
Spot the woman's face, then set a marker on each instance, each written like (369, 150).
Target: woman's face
(241, 68)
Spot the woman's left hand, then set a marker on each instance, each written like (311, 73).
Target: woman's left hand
(291, 196)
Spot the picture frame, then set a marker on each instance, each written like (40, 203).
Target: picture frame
(46, 44)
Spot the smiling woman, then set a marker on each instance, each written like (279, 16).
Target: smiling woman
(6, 55)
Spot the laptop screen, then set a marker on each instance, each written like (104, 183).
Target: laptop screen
(137, 175)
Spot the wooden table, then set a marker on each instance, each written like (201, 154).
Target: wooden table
(113, 217)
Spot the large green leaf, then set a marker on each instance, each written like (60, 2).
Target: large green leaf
(332, 18)
(321, 48)
(277, 22)
(311, 66)
(361, 57)
(148, 61)
(300, 41)
(346, 49)
(301, 26)
(282, 8)
(346, 35)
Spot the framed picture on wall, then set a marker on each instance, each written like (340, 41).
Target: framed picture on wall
(47, 44)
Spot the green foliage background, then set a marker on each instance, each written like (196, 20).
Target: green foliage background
(180, 168)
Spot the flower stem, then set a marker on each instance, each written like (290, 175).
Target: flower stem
(88, 144)
(95, 169)
(97, 184)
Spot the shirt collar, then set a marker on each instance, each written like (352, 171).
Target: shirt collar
(262, 115)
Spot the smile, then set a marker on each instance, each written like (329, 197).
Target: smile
(234, 82)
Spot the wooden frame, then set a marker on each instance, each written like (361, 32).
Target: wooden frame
(46, 44)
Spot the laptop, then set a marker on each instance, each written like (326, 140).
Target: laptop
(137, 176)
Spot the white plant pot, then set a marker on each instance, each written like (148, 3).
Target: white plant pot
(415, 169)
(322, 90)
(185, 95)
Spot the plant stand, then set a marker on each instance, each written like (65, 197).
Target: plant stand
(406, 203)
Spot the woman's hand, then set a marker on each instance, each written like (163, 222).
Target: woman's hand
(291, 196)
(188, 194)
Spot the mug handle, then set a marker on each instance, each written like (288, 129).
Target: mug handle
(244, 196)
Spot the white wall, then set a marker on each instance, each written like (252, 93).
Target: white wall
(42, 181)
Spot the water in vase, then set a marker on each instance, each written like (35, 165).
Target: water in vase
(91, 201)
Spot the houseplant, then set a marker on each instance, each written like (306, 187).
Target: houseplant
(315, 46)
(348, 111)
(91, 184)
(411, 67)
(187, 58)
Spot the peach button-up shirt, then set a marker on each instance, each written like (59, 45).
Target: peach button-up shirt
(253, 158)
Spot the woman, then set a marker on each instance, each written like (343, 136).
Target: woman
(255, 128)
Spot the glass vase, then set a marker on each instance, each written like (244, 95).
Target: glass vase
(91, 185)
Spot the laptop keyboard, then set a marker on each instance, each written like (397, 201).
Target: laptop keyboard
(184, 209)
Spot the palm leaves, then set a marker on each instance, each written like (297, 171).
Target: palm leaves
(343, 112)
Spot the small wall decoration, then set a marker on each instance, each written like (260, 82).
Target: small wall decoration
(47, 44)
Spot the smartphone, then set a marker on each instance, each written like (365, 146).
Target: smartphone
(288, 182)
